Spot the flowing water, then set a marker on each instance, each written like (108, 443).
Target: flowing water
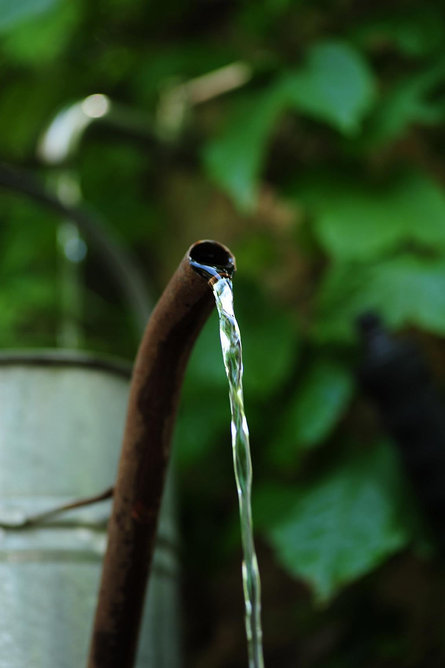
(231, 349)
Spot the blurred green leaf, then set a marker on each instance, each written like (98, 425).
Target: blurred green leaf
(404, 290)
(203, 416)
(42, 39)
(14, 12)
(235, 158)
(28, 285)
(355, 220)
(261, 18)
(336, 85)
(27, 304)
(205, 370)
(121, 174)
(418, 31)
(343, 525)
(270, 340)
(257, 249)
(22, 128)
(419, 34)
(408, 101)
(270, 345)
(320, 399)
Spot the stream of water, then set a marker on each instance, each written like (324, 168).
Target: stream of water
(232, 355)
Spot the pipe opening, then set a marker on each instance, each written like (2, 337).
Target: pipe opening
(211, 259)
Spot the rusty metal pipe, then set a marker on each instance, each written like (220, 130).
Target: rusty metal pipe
(173, 327)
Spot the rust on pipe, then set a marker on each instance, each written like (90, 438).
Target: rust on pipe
(172, 329)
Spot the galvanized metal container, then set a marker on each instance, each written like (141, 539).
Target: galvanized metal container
(62, 417)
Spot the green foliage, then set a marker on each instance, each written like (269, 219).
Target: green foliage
(325, 532)
(359, 220)
(410, 100)
(321, 398)
(28, 298)
(205, 368)
(160, 67)
(46, 40)
(334, 85)
(323, 173)
(418, 32)
(406, 290)
(202, 421)
(234, 159)
(13, 14)
(270, 341)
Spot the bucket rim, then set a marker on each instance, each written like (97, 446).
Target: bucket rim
(52, 357)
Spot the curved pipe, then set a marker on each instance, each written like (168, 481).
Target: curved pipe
(173, 327)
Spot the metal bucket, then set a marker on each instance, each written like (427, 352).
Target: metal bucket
(61, 422)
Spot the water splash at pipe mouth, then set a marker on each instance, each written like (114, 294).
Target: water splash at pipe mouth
(212, 260)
